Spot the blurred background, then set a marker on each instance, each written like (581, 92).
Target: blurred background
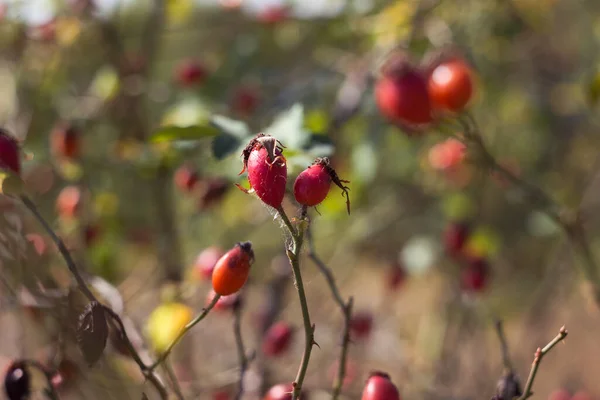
(132, 115)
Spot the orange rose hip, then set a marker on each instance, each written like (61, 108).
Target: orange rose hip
(232, 270)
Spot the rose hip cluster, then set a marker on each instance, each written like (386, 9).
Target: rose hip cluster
(475, 268)
(267, 174)
(411, 95)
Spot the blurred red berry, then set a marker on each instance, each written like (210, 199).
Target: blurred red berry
(380, 387)
(395, 277)
(232, 270)
(190, 73)
(451, 85)
(475, 275)
(221, 395)
(560, 394)
(283, 391)
(267, 169)
(401, 95)
(91, 233)
(273, 14)
(68, 202)
(206, 261)
(10, 154)
(447, 154)
(455, 238)
(581, 395)
(186, 178)
(65, 141)
(211, 192)
(245, 100)
(361, 324)
(277, 339)
(225, 303)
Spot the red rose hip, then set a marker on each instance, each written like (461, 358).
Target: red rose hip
(380, 387)
(278, 339)
(9, 153)
(361, 324)
(475, 276)
(232, 270)
(283, 391)
(451, 85)
(65, 141)
(267, 169)
(190, 72)
(312, 185)
(401, 95)
(186, 178)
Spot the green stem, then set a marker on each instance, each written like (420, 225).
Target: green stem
(539, 354)
(185, 330)
(239, 342)
(293, 253)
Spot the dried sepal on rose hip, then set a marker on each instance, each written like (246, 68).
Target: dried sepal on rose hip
(267, 169)
(312, 185)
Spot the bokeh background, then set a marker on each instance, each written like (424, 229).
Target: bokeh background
(116, 73)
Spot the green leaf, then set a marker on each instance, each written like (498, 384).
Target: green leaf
(175, 133)
(230, 126)
(234, 135)
(288, 128)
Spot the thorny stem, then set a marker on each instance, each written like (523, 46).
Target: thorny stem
(185, 330)
(346, 309)
(570, 225)
(539, 354)
(239, 342)
(66, 255)
(293, 253)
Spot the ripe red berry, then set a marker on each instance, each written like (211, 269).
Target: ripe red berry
(380, 387)
(68, 202)
(401, 95)
(190, 72)
(361, 324)
(312, 185)
(186, 178)
(277, 339)
(455, 237)
(206, 261)
(283, 391)
(65, 141)
(475, 276)
(451, 85)
(232, 270)
(267, 169)
(221, 395)
(9, 153)
(91, 233)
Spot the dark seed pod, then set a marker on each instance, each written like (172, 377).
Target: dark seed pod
(92, 332)
(17, 381)
(508, 387)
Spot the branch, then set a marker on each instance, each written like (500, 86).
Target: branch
(570, 223)
(239, 342)
(504, 347)
(539, 354)
(293, 253)
(346, 309)
(66, 255)
(185, 330)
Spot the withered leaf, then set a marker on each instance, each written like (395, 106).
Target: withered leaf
(92, 332)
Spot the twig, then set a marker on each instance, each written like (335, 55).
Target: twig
(239, 342)
(346, 309)
(173, 378)
(185, 330)
(539, 354)
(570, 223)
(293, 253)
(504, 346)
(66, 255)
